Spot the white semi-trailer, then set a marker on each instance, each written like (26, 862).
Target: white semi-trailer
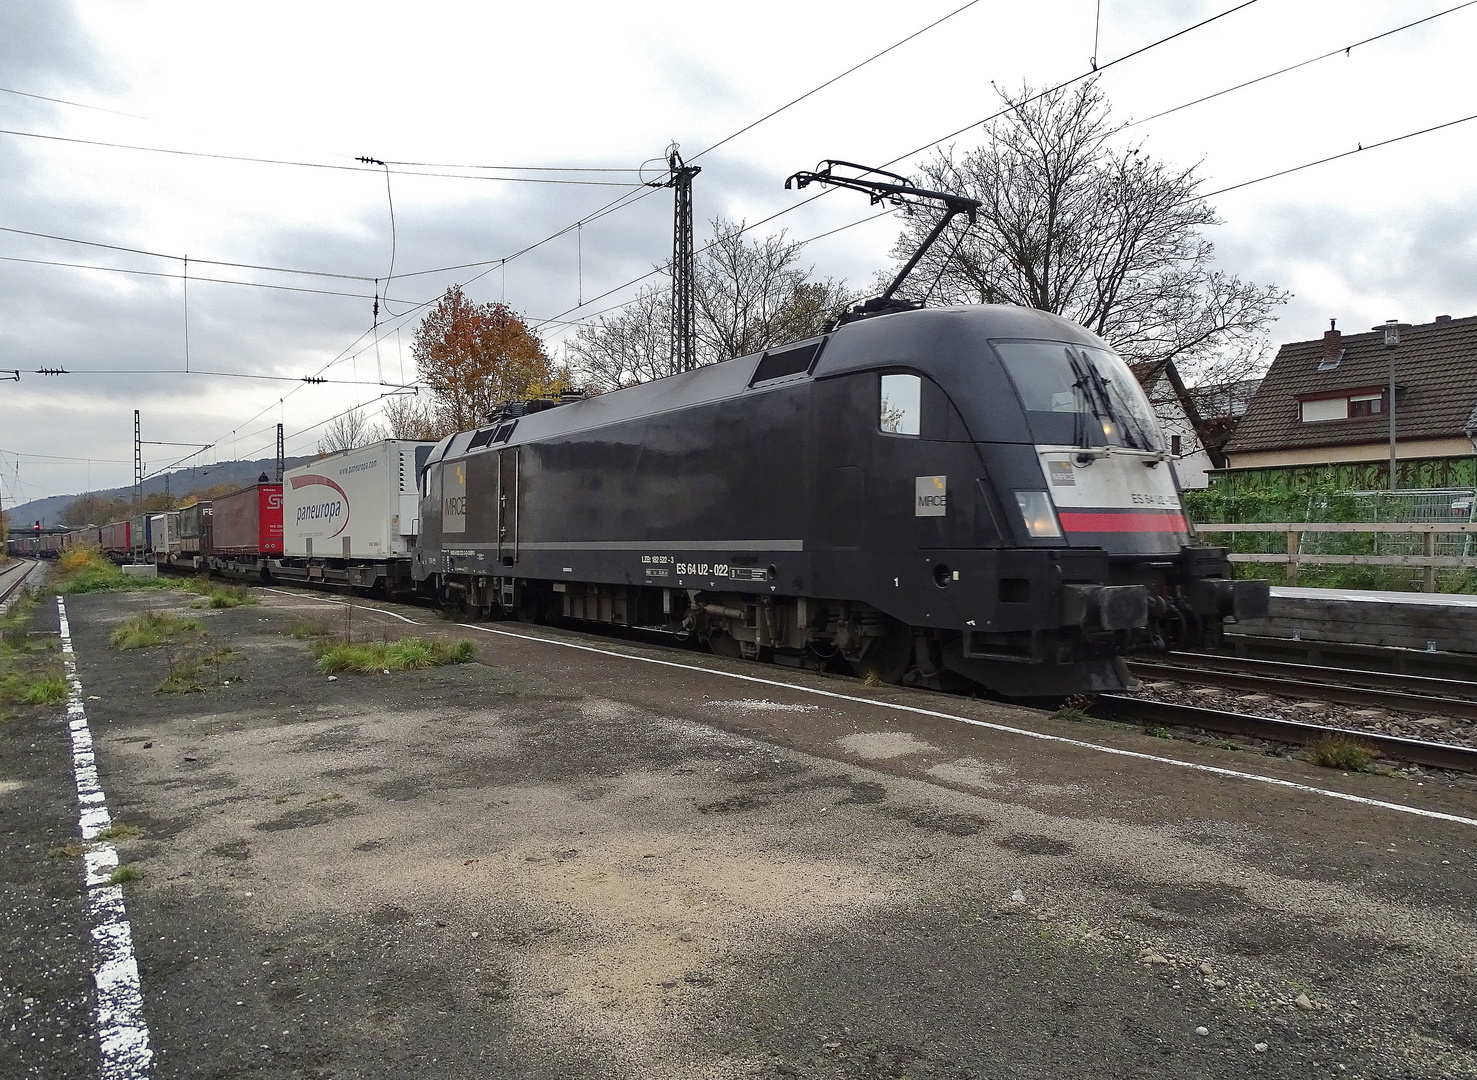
(352, 517)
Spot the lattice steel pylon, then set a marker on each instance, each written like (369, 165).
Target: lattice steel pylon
(280, 461)
(138, 465)
(684, 332)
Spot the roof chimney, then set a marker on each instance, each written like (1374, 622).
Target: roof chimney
(1332, 340)
(1442, 318)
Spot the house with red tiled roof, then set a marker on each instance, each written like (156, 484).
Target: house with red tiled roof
(1321, 416)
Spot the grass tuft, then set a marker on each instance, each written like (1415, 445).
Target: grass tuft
(124, 874)
(215, 595)
(86, 569)
(194, 671)
(72, 849)
(154, 628)
(120, 831)
(45, 690)
(1158, 733)
(308, 629)
(1342, 752)
(379, 656)
(1070, 714)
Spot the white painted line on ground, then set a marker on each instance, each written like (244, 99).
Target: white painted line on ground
(343, 603)
(1214, 770)
(123, 1034)
(1005, 728)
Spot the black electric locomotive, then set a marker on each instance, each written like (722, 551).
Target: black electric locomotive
(975, 492)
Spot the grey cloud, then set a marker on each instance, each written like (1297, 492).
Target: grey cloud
(45, 49)
(1413, 263)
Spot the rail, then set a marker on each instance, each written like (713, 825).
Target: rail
(1428, 560)
(1415, 751)
(12, 579)
(1405, 700)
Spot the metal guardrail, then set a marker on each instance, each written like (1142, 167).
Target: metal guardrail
(1293, 557)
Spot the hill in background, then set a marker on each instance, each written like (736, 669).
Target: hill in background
(180, 483)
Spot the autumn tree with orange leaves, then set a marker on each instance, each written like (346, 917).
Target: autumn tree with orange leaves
(478, 357)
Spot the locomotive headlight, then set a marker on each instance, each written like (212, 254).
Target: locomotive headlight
(1038, 514)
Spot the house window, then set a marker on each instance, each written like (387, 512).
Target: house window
(1174, 445)
(1343, 405)
(1325, 409)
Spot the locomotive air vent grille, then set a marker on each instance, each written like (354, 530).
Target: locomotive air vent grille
(482, 438)
(783, 363)
(505, 432)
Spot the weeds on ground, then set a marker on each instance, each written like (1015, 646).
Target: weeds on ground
(50, 689)
(154, 628)
(86, 569)
(215, 595)
(872, 678)
(196, 670)
(28, 675)
(120, 831)
(1342, 752)
(308, 629)
(379, 656)
(1070, 714)
(72, 849)
(1158, 733)
(124, 874)
(13, 623)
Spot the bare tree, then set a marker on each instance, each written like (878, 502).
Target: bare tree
(1106, 237)
(750, 295)
(347, 431)
(630, 347)
(407, 416)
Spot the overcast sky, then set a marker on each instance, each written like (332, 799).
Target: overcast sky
(1386, 233)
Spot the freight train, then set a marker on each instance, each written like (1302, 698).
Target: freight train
(974, 495)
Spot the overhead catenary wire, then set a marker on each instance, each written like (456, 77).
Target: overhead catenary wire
(193, 277)
(1341, 50)
(180, 258)
(73, 104)
(854, 68)
(331, 166)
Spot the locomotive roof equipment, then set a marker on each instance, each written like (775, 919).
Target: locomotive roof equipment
(900, 191)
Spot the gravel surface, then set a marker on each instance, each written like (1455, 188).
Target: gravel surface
(1437, 729)
(558, 862)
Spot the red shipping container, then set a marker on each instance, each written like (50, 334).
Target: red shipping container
(248, 522)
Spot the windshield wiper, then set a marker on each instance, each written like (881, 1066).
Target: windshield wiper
(1080, 386)
(1101, 386)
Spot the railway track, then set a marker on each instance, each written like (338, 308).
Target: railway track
(12, 578)
(1374, 680)
(1414, 751)
(1442, 697)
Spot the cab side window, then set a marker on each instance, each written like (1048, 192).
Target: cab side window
(900, 408)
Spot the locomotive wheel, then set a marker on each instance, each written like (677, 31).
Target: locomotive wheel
(890, 657)
(723, 645)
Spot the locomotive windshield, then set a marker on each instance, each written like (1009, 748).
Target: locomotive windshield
(1078, 395)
